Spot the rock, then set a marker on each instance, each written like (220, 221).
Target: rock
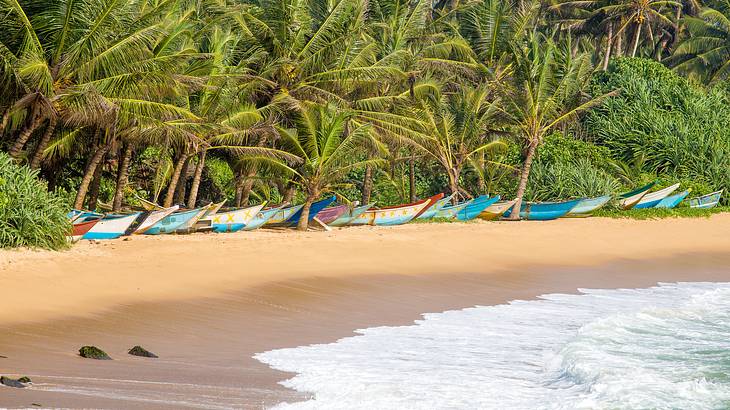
(25, 379)
(7, 381)
(140, 351)
(93, 352)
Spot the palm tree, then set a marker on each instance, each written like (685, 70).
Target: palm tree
(547, 92)
(327, 145)
(705, 53)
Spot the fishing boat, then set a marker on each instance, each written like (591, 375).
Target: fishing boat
(673, 200)
(205, 223)
(314, 209)
(261, 218)
(76, 215)
(395, 215)
(467, 210)
(176, 221)
(111, 226)
(283, 213)
(329, 215)
(706, 201)
(235, 219)
(439, 205)
(650, 200)
(630, 199)
(496, 210)
(588, 205)
(350, 214)
(153, 217)
(80, 229)
(544, 211)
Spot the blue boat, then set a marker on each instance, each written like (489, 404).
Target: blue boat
(313, 211)
(588, 205)
(467, 210)
(233, 220)
(706, 201)
(650, 200)
(261, 218)
(545, 211)
(171, 223)
(432, 211)
(351, 214)
(111, 226)
(672, 201)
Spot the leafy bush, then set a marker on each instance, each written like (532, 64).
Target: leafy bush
(674, 129)
(563, 180)
(29, 214)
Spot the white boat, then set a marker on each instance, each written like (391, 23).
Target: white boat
(706, 201)
(652, 199)
(154, 217)
(111, 226)
(235, 220)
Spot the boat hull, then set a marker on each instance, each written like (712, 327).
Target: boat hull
(653, 199)
(235, 220)
(475, 207)
(260, 219)
(283, 214)
(673, 200)
(349, 215)
(630, 199)
(314, 210)
(589, 205)
(706, 201)
(496, 210)
(434, 210)
(329, 215)
(175, 221)
(545, 211)
(111, 227)
(154, 217)
(396, 215)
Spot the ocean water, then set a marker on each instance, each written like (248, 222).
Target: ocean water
(665, 347)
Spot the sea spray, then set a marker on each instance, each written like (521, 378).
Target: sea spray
(662, 347)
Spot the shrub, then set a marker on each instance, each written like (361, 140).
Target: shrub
(29, 215)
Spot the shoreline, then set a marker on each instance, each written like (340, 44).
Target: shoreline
(206, 341)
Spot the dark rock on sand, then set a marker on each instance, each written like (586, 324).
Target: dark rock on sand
(11, 382)
(93, 352)
(140, 351)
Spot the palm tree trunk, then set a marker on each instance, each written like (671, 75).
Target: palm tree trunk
(176, 172)
(454, 185)
(239, 188)
(619, 49)
(677, 28)
(43, 143)
(247, 187)
(93, 196)
(182, 183)
(122, 176)
(524, 176)
(24, 135)
(367, 184)
(637, 35)
(412, 178)
(303, 224)
(4, 120)
(193, 195)
(89, 174)
(609, 41)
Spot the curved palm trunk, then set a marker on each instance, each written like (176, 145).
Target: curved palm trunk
(182, 183)
(193, 195)
(239, 188)
(172, 188)
(303, 224)
(636, 40)
(609, 41)
(454, 184)
(24, 135)
(43, 143)
(122, 176)
(246, 191)
(524, 176)
(93, 196)
(4, 120)
(367, 184)
(412, 179)
(89, 175)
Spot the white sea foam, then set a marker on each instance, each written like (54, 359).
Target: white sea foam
(665, 347)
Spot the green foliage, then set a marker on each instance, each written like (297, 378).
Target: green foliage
(29, 215)
(659, 213)
(221, 177)
(665, 125)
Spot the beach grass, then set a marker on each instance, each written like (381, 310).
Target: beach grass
(660, 213)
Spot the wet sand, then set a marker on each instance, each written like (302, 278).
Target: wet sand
(207, 317)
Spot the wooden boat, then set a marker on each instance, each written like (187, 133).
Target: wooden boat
(235, 219)
(467, 210)
(262, 218)
(652, 199)
(630, 199)
(205, 223)
(80, 229)
(76, 215)
(439, 205)
(545, 211)
(176, 221)
(111, 226)
(706, 201)
(588, 205)
(350, 214)
(329, 215)
(496, 210)
(153, 217)
(283, 213)
(395, 215)
(673, 200)
(315, 209)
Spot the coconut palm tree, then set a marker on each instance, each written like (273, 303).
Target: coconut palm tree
(705, 53)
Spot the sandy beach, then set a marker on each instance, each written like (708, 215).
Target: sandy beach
(206, 303)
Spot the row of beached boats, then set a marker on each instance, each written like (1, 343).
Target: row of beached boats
(156, 220)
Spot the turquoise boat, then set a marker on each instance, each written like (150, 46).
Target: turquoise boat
(672, 201)
(171, 223)
(432, 211)
(351, 214)
(706, 201)
(313, 211)
(586, 206)
(261, 219)
(283, 213)
(545, 211)
(233, 220)
(467, 210)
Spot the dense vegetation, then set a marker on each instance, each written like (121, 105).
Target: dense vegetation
(191, 101)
